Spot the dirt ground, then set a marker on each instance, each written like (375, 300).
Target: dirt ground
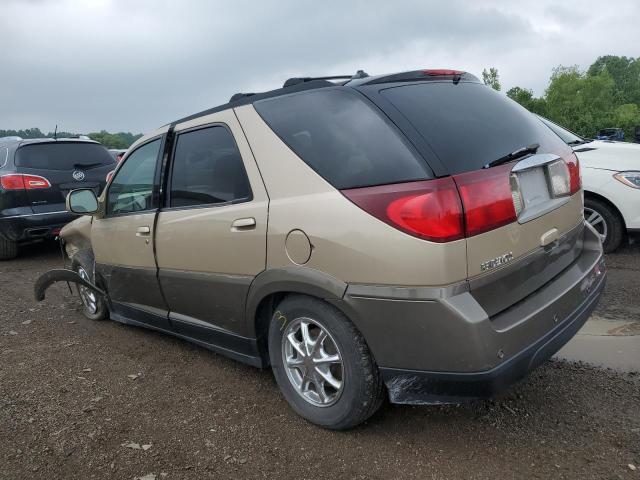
(81, 399)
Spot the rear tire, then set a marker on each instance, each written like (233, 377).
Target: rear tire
(335, 382)
(606, 221)
(8, 249)
(94, 306)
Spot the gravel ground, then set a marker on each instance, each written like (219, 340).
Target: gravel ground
(81, 399)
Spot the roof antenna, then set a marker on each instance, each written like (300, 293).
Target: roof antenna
(55, 133)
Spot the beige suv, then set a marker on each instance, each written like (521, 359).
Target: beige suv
(415, 236)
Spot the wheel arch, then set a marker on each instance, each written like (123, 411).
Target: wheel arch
(603, 199)
(271, 286)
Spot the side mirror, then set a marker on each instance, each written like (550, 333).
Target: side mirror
(82, 201)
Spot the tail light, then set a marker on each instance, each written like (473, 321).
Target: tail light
(19, 181)
(444, 209)
(110, 175)
(463, 205)
(486, 198)
(575, 181)
(429, 209)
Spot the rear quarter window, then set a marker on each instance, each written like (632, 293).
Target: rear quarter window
(343, 138)
(468, 125)
(4, 156)
(63, 156)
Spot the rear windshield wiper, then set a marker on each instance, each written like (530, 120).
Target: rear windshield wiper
(521, 152)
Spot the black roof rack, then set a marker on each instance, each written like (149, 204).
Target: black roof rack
(238, 96)
(296, 80)
(290, 86)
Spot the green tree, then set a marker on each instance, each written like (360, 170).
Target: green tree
(525, 98)
(606, 95)
(491, 78)
(625, 72)
(578, 101)
(627, 117)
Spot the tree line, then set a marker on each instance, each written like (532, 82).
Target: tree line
(119, 140)
(605, 95)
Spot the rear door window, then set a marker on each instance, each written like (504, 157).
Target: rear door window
(468, 125)
(63, 156)
(343, 138)
(207, 169)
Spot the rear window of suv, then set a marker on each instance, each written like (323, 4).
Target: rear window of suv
(63, 156)
(469, 124)
(344, 139)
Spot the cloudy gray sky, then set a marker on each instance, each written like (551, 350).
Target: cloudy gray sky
(132, 65)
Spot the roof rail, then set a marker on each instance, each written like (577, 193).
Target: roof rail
(238, 96)
(296, 80)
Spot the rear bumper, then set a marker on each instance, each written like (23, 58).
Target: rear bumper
(423, 387)
(437, 345)
(21, 228)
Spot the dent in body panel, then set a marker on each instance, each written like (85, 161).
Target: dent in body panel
(77, 235)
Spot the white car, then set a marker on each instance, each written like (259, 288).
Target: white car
(611, 181)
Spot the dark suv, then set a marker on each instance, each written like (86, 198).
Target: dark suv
(35, 177)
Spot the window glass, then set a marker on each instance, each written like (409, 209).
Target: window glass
(468, 125)
(207, 169)
(63, 156)
(132, 188)
(568, 137)
(4, 156)
(343, 138)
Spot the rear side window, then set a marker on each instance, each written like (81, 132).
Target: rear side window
(207, 169)
(343, 138)
(469, 125)
(63, 156)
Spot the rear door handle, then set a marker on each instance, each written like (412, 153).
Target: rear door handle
(243, 224)
(143, 232)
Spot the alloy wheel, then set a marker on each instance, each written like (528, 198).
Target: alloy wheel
(313, 362)
(597, 221)
(88, 297)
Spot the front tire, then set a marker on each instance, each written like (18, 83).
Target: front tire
(606, 221)
(322, 364)
(8, 249)
(94, 306)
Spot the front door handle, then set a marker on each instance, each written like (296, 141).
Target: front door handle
(143, 232)
(243, 224)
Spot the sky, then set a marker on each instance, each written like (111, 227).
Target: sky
(134, 65)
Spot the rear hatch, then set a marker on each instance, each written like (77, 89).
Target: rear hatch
(55, 168)
(518, 182)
